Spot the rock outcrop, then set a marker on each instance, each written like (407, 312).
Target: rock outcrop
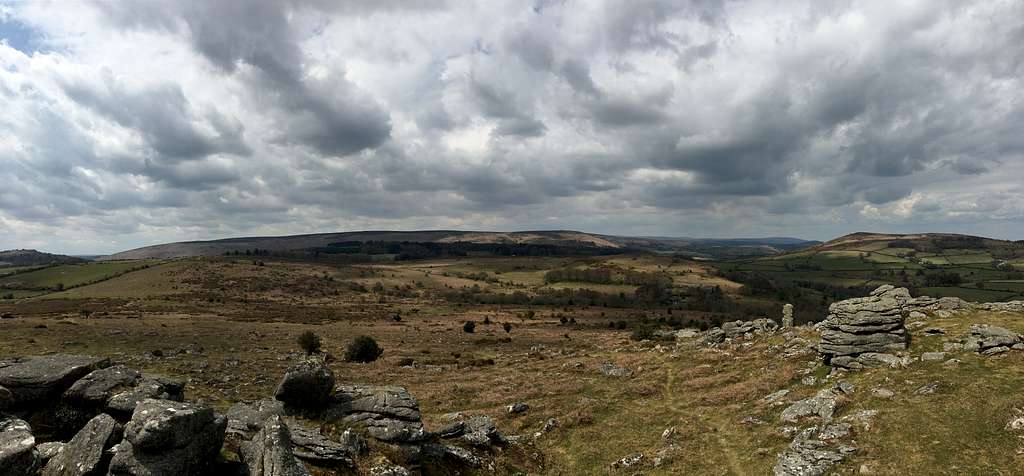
(389, 414)
(38, 379)
(736, 329)
(85, 454)
(991, 340)
(270, 452)
(308, 385)
(167, 437)
(865, 332)
(18, 455)
(810, 455)
(164, 436)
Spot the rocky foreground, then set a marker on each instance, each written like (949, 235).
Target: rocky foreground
(77, 415)
(862, 333)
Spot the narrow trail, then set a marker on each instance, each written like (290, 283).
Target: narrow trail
(672, 403)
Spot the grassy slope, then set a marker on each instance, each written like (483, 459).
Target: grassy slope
(705, 393)
(70, 274)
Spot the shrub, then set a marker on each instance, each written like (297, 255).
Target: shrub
(507, 326)
(563, 320)
(487, 321)
(469, 327)
(363, 349)
(309, 342)
(620, 324)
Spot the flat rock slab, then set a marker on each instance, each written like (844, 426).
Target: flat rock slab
(35, 379)
(99, 385)
(84, 454)
(18, 455)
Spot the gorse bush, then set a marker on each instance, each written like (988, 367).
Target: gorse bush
(363, 349)
(469, 327)
(309, 342)
(507, 326)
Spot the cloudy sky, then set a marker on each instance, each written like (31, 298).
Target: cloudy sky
(126, 123)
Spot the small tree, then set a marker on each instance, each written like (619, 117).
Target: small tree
(507, 326)
(309, 342)
(363, 349)
(469, 327)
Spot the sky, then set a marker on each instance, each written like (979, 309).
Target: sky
(124, 124)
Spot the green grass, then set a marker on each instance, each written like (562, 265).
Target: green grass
(69, 275)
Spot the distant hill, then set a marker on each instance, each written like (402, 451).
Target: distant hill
(564, 240)
(916, 241)
(9, 258)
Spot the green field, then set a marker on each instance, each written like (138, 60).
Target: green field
(60, 277)
(830, 274)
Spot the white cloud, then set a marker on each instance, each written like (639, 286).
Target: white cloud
(135, 123)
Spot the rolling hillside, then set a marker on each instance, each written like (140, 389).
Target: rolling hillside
(936, 264)
(709, 248)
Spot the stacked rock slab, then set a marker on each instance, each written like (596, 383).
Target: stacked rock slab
(865, 332)
(787, 315)
(389, 414)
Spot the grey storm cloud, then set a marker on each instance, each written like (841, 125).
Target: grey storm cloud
(195, 119)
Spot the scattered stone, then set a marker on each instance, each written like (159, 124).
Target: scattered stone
(809, 380)
(308, 385)
(669, 433)
(1009, 306)
(388, 469)
(270, 451)
(809, 456)
(933, 356)
(480, 431)
(85, 453)
(612, 370)
(167, 437)
(1017, 422)
(990, 340)
(879, 392)
(863, 417)
(517, 408)
(39, 379)
(713, 337)
(822, 405)
(18, 454)
(550, 425)
(868, 325)
(835, 431)
(459, 455)
(928, 388)
(845, 387)
(748, 329)
(775, 396)
(629, 461)
(917, 315)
